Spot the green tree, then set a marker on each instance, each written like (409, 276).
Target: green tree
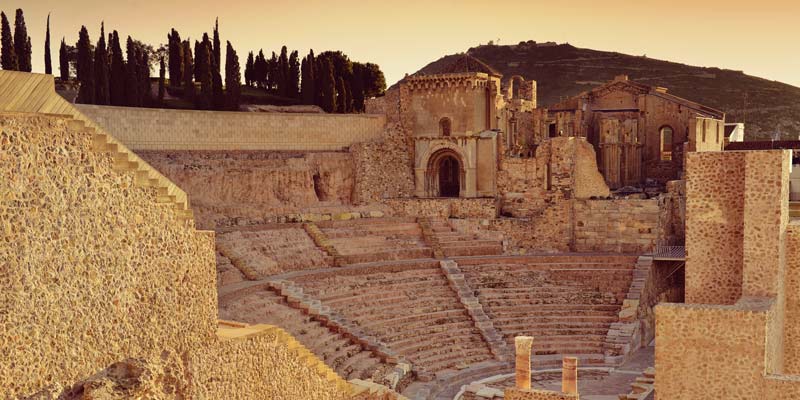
(342, 98)
(176, 56)
(308, 82)
(132, 87)
(273, 72)
(293, 80)
(202, 68)
(233, 78)
(248, 69)
(101, 70)
(260, 69)
(48, 62)
(117, 73)
(63, 60)
(189, 90)
(85, 68)
(8, 54)
(327, 85)
(143, 73)
(217, 49)
(283, 73)
(22, 43)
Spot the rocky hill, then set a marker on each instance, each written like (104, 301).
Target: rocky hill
(564, 70)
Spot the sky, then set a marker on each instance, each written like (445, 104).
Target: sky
(762, 38)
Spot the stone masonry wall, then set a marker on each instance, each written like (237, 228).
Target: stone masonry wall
(481, 208)
(158, 129)
(251, 184)
(90, 260)
(623, 226)
(383, 168)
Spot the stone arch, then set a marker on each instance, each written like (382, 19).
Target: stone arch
(515, 86)
(445, 174)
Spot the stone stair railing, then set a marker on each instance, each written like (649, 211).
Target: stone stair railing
(429, 236)
(467, 297)
(625, 335)
(315, 309)
(321, 240)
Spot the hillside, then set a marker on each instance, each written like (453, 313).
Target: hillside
(564, 70)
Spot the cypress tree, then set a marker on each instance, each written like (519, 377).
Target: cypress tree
(233, 79)
(357, 87)
(176, 63)
(8, 54)
(132, 87)
(260, 69)
(188, 69)
(101, 72)
(217, 49)
(308, 83)
(48, 62)
(117, 74)
(85, 67)
(283, 73)
(143, 75)
(22, 43)
(202, 59)
(248, 69)
(273, 72)
(63, 61)
(341, 96)
(161, 82)
(293, 79)
(327, 86)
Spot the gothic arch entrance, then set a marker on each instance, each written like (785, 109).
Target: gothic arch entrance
(445, 174)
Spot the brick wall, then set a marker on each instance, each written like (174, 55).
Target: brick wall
(157, 129)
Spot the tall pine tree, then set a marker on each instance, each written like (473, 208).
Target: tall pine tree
(63, 60)
(217, 48)
(85, 67)
(283, 73)
(293, 80)
(188, 72)
(8, 54)
(309, 80)
(260, 70)
(22, 43)
(132, 86)
(342, 100)
(202, 60)
(233, 79)
(117, 74)
(176, 56)
(327, 85)
(48, 62)
(248, 69)
(102, 92)
(143, 74)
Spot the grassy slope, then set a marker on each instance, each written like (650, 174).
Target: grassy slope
(564, 70)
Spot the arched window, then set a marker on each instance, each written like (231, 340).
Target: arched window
(444, 126)
(666, 143)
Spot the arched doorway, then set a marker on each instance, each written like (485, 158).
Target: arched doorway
(444, 175)
(449, 177)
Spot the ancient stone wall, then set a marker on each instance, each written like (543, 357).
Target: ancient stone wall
(157, 129)
(517, 394)
(732, 338)
(251, 184)
(791, 339)
(622, 226)
(90, 258)
(482, 208)
(383, 167)
(672, 217)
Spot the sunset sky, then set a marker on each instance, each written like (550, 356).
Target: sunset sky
(760, 37)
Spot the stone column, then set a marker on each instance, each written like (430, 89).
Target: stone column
(523, 367)
(569, 375)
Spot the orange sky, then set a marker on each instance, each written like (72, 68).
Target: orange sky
(760, 37)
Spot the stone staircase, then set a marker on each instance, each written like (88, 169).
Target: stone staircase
(624, 336)
(448, 384)
(643, 388)
(457, 244)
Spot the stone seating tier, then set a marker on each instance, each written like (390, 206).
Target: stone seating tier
(457, 244)
(409, 306)
(375, 239)
(260, 254)
(567, 303)
(348, 358)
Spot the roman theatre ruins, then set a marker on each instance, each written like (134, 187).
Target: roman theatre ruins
(457, 241)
